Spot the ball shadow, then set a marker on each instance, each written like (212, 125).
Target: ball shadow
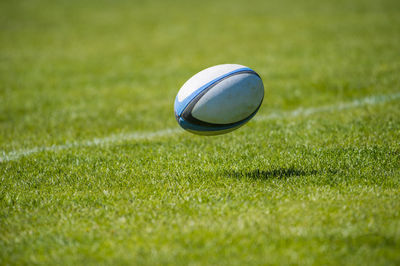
(279, 173)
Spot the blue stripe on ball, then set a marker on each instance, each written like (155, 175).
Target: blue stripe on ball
(180, 106)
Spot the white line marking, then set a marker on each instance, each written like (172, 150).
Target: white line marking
(120, 138)
(372, 100)
(112, 139)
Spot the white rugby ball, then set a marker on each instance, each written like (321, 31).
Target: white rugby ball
(219, 99)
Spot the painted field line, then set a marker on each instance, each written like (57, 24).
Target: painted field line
(372, 100)
(112, 139)
(120, 138)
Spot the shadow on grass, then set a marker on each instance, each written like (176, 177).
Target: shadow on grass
(279, 173)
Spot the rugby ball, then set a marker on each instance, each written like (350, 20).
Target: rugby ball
(219, 99)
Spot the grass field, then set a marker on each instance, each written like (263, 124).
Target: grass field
(95, 170)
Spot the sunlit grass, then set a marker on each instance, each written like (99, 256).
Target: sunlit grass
(316, 189)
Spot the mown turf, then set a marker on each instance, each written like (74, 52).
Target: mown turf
(321, 188)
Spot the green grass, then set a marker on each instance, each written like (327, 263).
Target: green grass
(317, 189)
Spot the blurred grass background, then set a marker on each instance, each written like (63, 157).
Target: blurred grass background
(319, 190)
(71, 68)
